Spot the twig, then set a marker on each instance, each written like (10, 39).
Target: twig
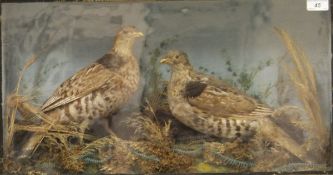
(44, 130)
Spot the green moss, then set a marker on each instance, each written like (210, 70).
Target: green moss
(245, 80)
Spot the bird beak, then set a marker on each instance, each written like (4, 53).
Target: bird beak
(138, 34)
(164, 61)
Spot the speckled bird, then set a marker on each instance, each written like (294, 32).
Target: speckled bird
(96, 90)
(209, 105)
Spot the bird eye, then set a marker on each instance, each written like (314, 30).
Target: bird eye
(177, 56)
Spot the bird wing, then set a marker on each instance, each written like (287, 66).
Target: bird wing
(82, 83)
(217, 97)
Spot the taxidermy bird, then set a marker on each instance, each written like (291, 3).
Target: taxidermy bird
(209, 105)
(96, 90)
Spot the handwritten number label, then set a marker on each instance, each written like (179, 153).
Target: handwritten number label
(317, 5)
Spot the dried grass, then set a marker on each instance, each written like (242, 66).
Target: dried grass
(150, 130)
(312, 147)
(10, 116)
(303, 77)
(42, 129)
(49, 126)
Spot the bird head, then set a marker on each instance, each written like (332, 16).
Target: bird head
(175, 58)
(129, 32)
(125, 39)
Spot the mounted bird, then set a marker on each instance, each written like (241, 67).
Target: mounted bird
(211, 106)
(207, 104)
(97, 90)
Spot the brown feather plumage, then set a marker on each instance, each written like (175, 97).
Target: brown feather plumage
(216, 108)
(96, 90)
(82, 83)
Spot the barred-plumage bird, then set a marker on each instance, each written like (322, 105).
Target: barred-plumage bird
(96, 90)
(209, 105)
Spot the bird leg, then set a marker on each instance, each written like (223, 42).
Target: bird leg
(82, 128)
